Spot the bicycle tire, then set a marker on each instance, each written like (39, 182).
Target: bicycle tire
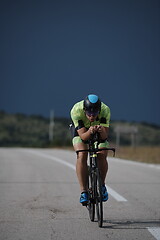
(91, 204)
(99, 199)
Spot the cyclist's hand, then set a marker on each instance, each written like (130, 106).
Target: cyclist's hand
(93, 129)
(99, 128)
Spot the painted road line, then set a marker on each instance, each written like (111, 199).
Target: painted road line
(53, 158)
(113, 193)
(155, 231)
(116, 196)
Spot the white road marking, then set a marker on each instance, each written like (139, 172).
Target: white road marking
(155, 231)
(116, 196)
(113, 193)
(53, 158)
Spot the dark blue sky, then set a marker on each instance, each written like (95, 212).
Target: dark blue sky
(54, 53)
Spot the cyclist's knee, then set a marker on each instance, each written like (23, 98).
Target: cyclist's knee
(103, 154)
(82, 156)
(80, 146)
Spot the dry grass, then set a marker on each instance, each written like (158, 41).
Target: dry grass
(145, 154)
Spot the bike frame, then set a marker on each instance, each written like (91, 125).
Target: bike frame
(94, 181)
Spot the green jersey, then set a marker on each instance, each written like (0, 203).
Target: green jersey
(80, 120)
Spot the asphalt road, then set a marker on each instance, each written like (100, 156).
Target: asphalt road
(39, 198)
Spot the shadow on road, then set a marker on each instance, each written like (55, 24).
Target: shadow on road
(129, 224)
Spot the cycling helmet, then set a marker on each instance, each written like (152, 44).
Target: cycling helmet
(92, 105)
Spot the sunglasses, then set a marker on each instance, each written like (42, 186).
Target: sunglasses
(93, 114)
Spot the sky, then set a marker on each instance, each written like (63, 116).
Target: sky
(54, 53)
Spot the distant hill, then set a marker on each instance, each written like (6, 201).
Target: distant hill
(147, 134)
(33, 131)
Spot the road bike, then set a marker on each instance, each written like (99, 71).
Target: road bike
(94, 180)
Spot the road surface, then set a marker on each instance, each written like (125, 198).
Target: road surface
(39, 198)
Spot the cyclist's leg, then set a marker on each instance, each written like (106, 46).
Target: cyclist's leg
(103, 165)
(102, 161)
(81, 165)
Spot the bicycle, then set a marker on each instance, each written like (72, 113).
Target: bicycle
(94, 180)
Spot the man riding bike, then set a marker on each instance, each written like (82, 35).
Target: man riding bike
(89, 116)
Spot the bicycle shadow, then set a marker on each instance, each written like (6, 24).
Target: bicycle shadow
(130, 224)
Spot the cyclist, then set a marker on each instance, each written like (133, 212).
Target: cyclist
(89, 116)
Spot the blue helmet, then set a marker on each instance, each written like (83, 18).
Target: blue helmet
(92, 104)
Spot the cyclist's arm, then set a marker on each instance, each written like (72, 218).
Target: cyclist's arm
(84, 133)
(103, 131)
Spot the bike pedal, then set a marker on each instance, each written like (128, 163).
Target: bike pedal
(84, 204)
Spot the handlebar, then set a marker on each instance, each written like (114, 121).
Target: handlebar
(97, 150)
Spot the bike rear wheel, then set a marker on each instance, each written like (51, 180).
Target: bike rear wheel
(99, 199)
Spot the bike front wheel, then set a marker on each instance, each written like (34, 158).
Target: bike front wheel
(91, 204)
(99, 199)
